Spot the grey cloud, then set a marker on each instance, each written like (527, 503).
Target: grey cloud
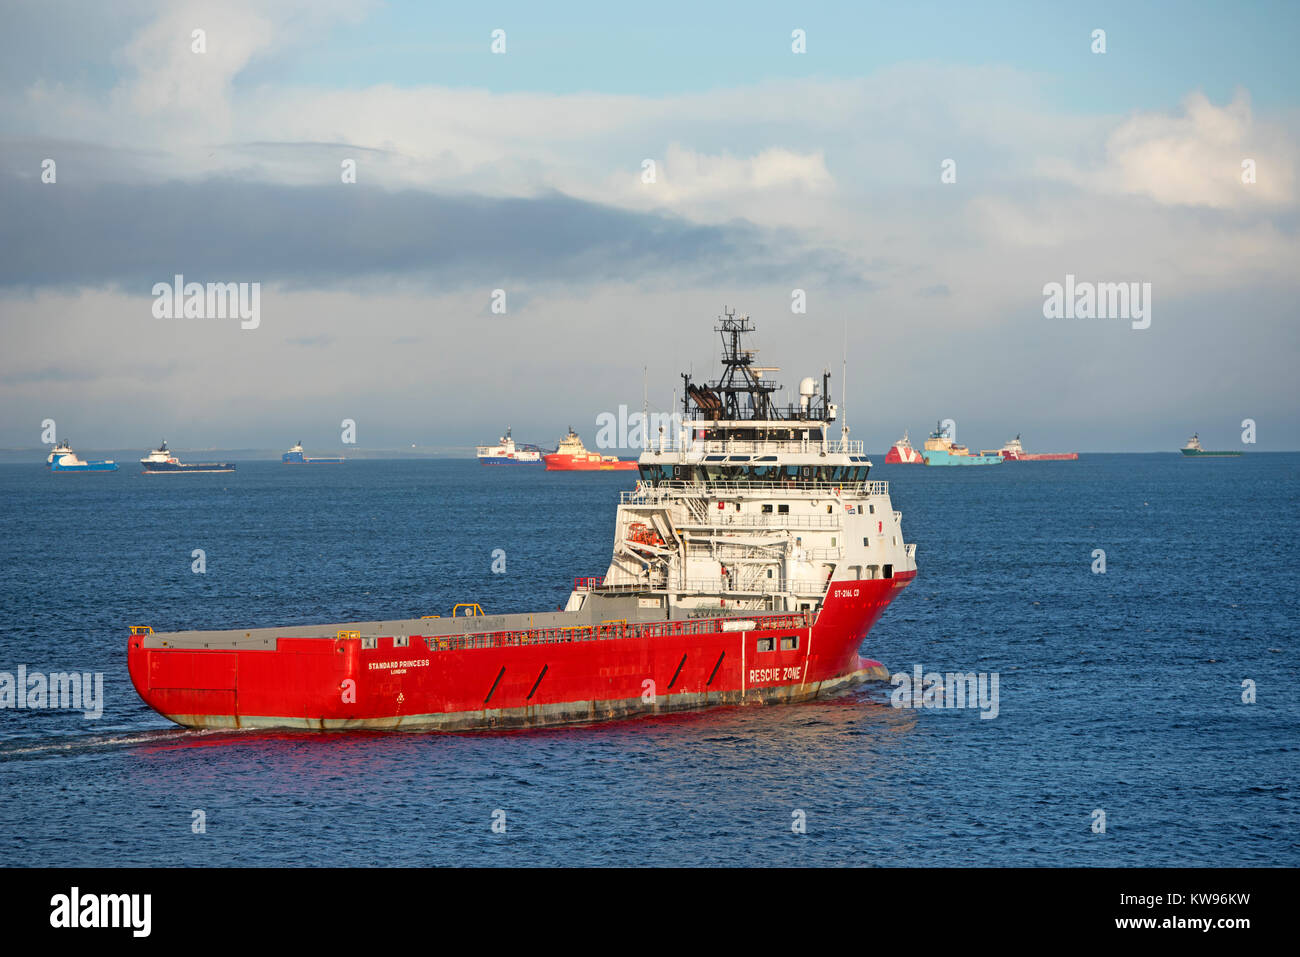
(131, 235)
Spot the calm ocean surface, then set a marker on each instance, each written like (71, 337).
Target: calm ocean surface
(1119, 691)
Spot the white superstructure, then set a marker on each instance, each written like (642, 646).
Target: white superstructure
(506, 452)
(750, 505)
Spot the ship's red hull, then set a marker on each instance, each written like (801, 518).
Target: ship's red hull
(519, 679)
(903, 456)
(1041, 456)
(587, 463)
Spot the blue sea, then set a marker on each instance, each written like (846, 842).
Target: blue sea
(1119, 692)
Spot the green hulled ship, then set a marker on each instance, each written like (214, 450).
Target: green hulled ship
(1193, 448)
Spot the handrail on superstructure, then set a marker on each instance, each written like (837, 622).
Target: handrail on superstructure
(750, 446)
(719, 518)
(676, 489)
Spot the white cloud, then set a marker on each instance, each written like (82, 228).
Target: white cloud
(1194, 157)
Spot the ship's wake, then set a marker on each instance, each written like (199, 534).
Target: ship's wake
(17, 750)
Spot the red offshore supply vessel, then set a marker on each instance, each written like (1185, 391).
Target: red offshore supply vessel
(572, 456)
(1013, 451)
(902, 453)
(749, 563)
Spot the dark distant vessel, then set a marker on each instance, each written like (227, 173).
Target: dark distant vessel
(161, 460)
(295, 457)
(63, 459)
(749, 564)
(1193, 449)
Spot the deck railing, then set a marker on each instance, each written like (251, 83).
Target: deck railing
(752, 446)
(717, 586)
(725, 519)
(614, 629)
(645, 494)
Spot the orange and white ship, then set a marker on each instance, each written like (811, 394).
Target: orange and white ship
(572, 456)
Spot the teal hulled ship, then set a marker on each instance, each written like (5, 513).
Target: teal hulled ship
(941, 450)
(1193, 450)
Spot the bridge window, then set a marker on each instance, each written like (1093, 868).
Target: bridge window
(767, 509)
(783, 509)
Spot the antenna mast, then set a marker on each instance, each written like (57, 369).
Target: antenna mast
(844, 385)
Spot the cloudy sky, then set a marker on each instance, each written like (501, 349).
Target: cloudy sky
(525, 171)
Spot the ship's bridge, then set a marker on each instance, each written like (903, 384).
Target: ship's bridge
(747, 503)
(764, 453)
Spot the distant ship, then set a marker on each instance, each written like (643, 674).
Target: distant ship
(505, 452)
(572, 456)
(941, 450)
(63, 459)
(1193, 448)
(295, 457)
(161, 460)
(1013, 451)
(902, 453)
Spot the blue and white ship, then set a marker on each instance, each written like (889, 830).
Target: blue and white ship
(295, 456)
(63, 459)
(161, 460)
